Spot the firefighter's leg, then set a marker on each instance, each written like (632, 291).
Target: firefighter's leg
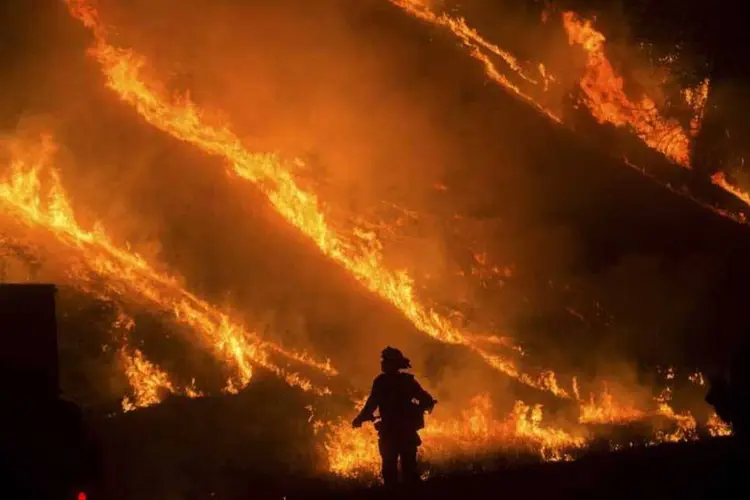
(389, 457)
(409, 471)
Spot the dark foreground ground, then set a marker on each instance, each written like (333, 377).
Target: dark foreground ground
(709, 469)
(244, 447)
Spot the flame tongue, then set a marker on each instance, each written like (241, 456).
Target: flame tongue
(606, 99)
(128, 274)
(476, 46)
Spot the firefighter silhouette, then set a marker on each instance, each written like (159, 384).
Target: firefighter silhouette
(401, 403)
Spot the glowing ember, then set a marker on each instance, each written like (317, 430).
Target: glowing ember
(603, 92)
(128, 274)
(361, 257)
(698, 379)
(697, 99)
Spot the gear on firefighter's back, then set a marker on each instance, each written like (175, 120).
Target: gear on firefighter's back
(418, 413)
(401, 401)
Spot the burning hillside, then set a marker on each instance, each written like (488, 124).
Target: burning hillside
(96, 266)
(457, 257)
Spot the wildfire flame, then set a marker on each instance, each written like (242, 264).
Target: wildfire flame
(354, 452)
(128, 274)
(603, 92)
(602, 88)
(607, 410)
(720, 179)
(686, 425)
(475, 432)
(474, 43)
(608, 103)
(149, 382)
(717, 427)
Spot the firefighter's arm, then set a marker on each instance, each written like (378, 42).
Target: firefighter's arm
(368, 411)
(426, 401)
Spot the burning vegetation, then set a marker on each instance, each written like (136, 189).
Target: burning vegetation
(472, 432)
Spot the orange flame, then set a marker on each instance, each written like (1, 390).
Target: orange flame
(717, 427)
(686, 425)
(128, 274)
(603, 93)
(603, 89)
(720, 179)
(697, 99)
(474, 43)
(606, 99)
(475, 432)
(607, 410)
(149, 382)
(354, 453)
